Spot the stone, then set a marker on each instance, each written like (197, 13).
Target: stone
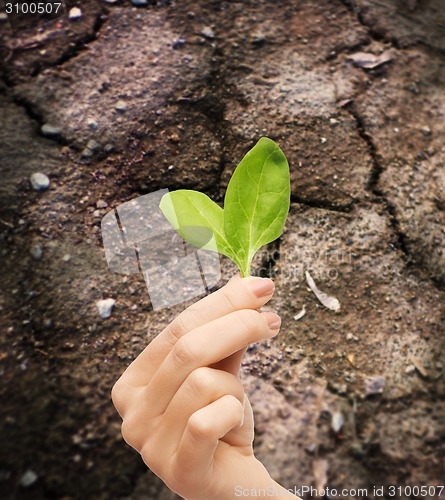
(178, 43)
(92, 123)
(74, 13)
(208, 32)
(93, 145)
(374, 385)
(337, 421)
(36, 252)
(121, 106)
(39, 181)
(258, 38)
(104, 307)
(86, 153)
(28, 478)
(49, 130)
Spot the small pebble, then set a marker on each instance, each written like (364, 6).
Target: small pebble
(87, 153)
(121, 106)
(258, 39)
(92, 123)
(105, 307)
(208, 33)
(66, 257)
(101, 204)
(311, 448)
(28, 478)
(139, 3)
(49, 130)
(74, 13)
(178, 43)
(39, 181)
(337, 421)
(374, 385)
(109, 148)
(97, 214)
(36, 252)
(93, 145)
(410, 369)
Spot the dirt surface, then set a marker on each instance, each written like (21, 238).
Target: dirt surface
(366, 151)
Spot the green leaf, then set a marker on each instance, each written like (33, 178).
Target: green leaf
(255, 208)
(257, 201)
(197, 218)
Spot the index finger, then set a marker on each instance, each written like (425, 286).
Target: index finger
(238, 293)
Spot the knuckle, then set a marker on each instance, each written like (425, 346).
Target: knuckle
(199, 427)
(184, 353)
(132, 432)
(251, 320)
(129, 431)
(234, 404)
(203, 380)
(117, 395)
(226, 293)
(185, 322)
(152, 459)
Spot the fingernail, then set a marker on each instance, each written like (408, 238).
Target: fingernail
(261, 286)
(273, 320)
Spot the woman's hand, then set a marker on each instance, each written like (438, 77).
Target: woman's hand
(183, 406)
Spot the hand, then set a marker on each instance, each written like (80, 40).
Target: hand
(182, 403)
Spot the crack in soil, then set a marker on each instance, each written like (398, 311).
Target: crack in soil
(379, 37)
(374, 178)
(373, 33)
(323, 204)
(389, 207)
(78, 47)
(37, 117)
(73, 51)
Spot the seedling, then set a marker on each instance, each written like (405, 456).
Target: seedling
(255, 208)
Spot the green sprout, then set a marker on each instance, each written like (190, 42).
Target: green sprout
(256, 205)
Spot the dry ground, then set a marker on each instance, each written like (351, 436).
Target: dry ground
(366, 150)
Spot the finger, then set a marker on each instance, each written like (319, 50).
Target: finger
(200, 440)
(238, 293)
(203, 386)
(244, 434)
(232, 363)
(206, 345)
